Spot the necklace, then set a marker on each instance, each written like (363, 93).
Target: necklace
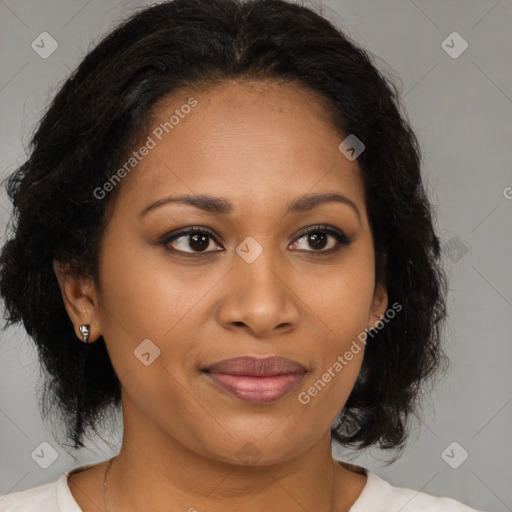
(105, 485)
(109, 466)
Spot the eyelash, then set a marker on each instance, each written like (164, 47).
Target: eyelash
(341, 238)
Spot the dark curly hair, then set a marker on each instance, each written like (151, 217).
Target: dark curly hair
(104, 107)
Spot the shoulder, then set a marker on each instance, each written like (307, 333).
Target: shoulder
(380, 496)
(51, 497)
(43, 497)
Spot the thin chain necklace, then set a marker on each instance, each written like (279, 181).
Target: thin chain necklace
(107, 471)
(105, 485)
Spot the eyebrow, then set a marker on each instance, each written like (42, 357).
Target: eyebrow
(219, 205)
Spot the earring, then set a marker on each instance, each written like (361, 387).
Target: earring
(85, 331)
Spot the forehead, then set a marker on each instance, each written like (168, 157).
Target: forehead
(240, 139)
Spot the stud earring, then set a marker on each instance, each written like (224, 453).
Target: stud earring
(85, 331)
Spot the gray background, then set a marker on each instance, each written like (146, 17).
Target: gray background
(461, 111)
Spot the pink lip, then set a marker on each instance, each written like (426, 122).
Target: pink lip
(257, 380)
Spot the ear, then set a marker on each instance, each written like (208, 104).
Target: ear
(80, 300)
(379, 305)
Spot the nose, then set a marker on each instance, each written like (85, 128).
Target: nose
(259, 297)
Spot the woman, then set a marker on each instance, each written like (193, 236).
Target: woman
(222, 228)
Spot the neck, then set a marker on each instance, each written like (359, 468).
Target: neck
(154, 472)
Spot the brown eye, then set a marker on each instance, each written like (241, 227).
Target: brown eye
(191, 240)
(320, 237)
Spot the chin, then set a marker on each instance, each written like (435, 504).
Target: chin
(255, 450)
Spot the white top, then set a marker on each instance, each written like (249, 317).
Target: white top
(377, 496)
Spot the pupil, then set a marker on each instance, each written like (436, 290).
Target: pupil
(314, 238)
(199, 239)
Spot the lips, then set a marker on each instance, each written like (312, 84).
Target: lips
(256, 380)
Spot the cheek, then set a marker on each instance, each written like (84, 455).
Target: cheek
(341, 296)
(148, 298)
(324, 395)
(342, 307)
(333, 375)
(145, 295)
(141, 302)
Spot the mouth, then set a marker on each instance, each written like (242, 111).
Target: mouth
(256, 380)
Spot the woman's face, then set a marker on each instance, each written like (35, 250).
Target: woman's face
(170, 309)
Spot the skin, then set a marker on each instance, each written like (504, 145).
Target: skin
(260, 146)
